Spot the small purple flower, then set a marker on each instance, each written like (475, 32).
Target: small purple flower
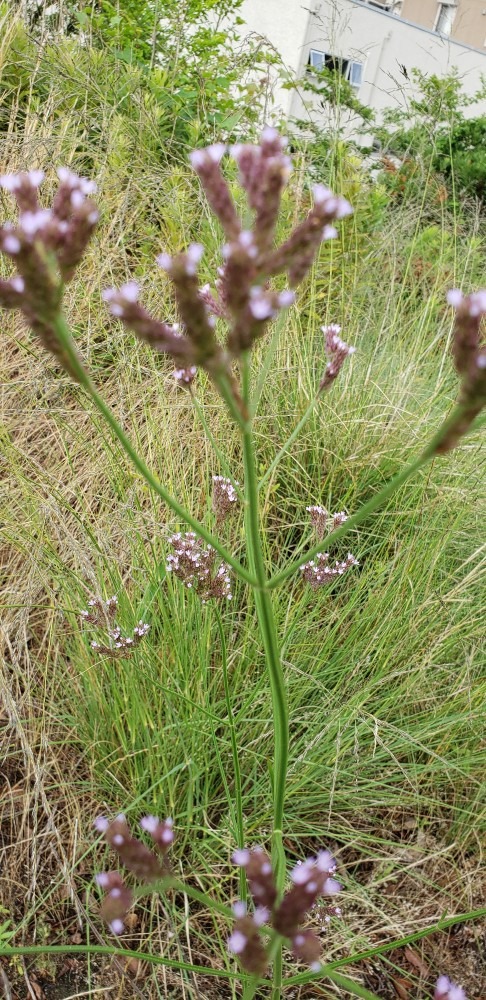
(337, 351)
(237, 942)
(446, 990)
(319, 571)
(116, 926)
(196, 566)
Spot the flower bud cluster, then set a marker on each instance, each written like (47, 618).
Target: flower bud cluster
(216, 306)
(312, 879)
(323, 522)
(245, 940)
(100, 612)
(123, 303)
(445, 990)
(337, 351)
(470, 361)
(196, 566)
(102, 615)
(319, 571)
(296, 255)
(263, 171)
(244, 297)
(207, 165)
(185, 376)
(146, 864)
(225, 497)
(46, 245)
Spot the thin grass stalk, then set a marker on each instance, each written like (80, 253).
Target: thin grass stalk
(391, 487)
(99, 949)
(267, 363)
(290, 440)
(64, 335)
(223, 461)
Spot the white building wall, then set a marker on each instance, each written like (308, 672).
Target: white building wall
(352, 29)
(285, 24)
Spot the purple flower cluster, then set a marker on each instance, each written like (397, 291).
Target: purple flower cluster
(319, 571)
(225, 497)
(197, 568)
(46, 245)
(312, 879)
(243, 296)
(323, 522)
(102, 615)
(337, 351)
(145, 863)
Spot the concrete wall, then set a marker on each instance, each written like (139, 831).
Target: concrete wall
(469, 25)
(351, 29)
(422, 12)
(284, 23)
(385, 43)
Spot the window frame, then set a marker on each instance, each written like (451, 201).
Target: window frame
(441, 8)
(339, 63)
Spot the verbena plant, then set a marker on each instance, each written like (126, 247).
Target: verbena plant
(46, 245)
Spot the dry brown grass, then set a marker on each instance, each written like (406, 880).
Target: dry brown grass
(74, 520)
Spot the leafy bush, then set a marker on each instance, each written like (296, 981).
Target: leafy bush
(188, 85)
(432, 136)
(460, 155)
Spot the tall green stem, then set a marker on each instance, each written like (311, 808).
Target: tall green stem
(84, 380)
(240, 829)
(266, 621)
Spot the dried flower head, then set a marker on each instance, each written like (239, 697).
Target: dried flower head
(101, 615)
(323, 522)
(225, 497)
(319, 571)
(337, 351)
(197, 567)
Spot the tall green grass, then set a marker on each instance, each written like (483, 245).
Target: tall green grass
(385, 669)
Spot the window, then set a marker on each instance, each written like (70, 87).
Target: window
(390, 6)
(351, 69)
(445, 17)
(355, 74)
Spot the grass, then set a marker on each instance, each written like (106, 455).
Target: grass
(385, 670)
